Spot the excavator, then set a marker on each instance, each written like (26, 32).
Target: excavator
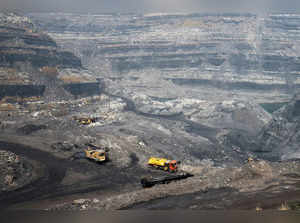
(164, 164)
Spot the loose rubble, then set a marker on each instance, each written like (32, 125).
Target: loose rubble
(14, 171)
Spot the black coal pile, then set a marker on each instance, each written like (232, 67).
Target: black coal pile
(30, 128)
(64, 146)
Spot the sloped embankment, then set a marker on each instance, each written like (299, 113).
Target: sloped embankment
(281, 137)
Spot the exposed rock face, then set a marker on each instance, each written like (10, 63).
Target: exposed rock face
(240, 53)
(281, 137)
(21, 90)
(21, 42)
(240, 115)
(31, 62)
(83, 89)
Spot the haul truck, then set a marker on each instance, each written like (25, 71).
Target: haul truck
(95, 153)
(164, 164)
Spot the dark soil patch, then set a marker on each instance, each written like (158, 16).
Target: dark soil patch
(29, 129)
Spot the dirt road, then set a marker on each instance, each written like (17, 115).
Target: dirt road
(52, 171)
(228, 199)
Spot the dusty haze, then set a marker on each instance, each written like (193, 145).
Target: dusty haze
(144, 6)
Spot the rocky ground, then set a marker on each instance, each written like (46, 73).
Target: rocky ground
(208, 185)
(218, 163)
(15, 172)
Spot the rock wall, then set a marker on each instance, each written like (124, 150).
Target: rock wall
(37, 57)
(249, 51)
(22, 91)
(83, 89)
(30, 62)
(21, 42)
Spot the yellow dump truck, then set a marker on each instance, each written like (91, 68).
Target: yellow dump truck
(85, 121)
(95, 153)
(164, 164)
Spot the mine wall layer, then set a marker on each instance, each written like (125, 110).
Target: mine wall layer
(83, 89)
(239, 62)
(231, 85)
(25, 45)
(38, 57)
(23, 91)
(234, 47)
(30, 38)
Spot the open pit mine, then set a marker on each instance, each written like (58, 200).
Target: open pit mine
(149, 111)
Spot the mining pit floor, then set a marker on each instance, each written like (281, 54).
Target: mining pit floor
(52, 170)
(49, 188)
(225, 199)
